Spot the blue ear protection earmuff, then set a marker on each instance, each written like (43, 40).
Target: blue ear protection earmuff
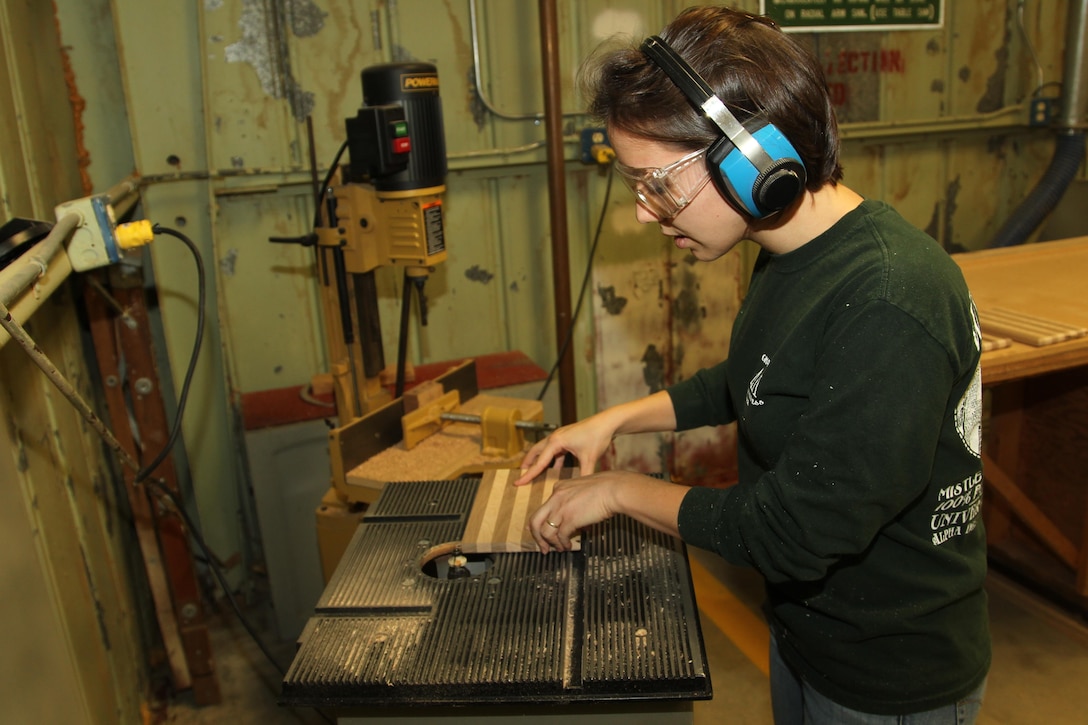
(757, 170)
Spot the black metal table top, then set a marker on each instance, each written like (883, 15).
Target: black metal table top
(615, 621)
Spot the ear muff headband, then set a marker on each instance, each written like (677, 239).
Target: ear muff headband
(758, 171)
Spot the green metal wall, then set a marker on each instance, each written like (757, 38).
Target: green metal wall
(72, 603)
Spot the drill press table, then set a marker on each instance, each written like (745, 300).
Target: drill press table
(612, 628)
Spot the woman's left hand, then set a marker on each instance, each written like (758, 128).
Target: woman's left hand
(579, 502)
(574, 504)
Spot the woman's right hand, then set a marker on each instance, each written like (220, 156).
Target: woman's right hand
(586, 440)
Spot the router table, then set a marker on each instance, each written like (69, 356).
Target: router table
(608, 633)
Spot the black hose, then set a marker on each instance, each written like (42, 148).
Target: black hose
(582, 291)
(1025, 219)
(148, 469)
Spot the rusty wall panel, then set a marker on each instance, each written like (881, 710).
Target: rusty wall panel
(467, 294)
(659, 318)
(44, 166)
(268, 295)
(15, 197)
(914, 73)
(62, 537)
(249, 88)
(509, 75)
(102, 513)
(166, 111)
(1044, 28)
(958, 186)
(496, 207)
(328, 49)
(979, 62)
(211, 451)
(38, 650)
(88, 40)
(47, 685)
(852, 63)
(73, 650)
(914, 183)
(978, 55)
(704, 301)
(324, 53)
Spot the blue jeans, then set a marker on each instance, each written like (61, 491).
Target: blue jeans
(795, 703)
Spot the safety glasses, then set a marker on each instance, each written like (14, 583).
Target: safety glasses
(667, 190)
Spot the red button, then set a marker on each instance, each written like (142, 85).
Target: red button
(402, 145)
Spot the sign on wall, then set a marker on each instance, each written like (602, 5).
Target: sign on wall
(854, 15)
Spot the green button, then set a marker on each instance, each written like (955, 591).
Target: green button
(400, 128)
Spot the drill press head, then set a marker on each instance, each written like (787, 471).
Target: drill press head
(389, 211)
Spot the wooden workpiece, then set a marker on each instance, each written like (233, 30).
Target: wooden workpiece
(1025, 328)
(501, 510)
(451, 452)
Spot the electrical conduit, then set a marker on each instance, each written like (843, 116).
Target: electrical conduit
(12, 285)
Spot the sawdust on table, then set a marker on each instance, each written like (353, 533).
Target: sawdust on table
(454, 450)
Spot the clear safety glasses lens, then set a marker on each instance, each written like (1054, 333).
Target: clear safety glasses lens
(667, 190)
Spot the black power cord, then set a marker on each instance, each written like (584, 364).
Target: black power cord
(320, 194)
(162, 489)
(582, 292)
(159, 485)
(183, 397)
(310, 238)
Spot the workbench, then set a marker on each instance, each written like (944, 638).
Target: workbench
(1035, 443)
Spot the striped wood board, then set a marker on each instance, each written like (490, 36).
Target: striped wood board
(1025, 328)
(497, 520)
(994, 342)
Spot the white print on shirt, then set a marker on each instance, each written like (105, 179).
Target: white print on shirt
(969, 410)
(976, 325)
(959, 505)
(753, 385)
(969, 415)
(957, 508)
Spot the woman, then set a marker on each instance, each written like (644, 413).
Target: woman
(853, 377)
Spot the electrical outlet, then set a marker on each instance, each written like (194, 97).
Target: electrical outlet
(1042, 111)
(93, 243)
(595, 146)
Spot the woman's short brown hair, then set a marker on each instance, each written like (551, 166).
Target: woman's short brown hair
(752, 66)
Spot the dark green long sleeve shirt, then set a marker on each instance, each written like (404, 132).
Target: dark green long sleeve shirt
(853, 376)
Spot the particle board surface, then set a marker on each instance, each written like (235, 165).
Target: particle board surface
(501, 510)
(449, 453)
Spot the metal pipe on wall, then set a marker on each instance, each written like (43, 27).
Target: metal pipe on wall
(123, 195)
(557, 204)
(17, 278)
(1069, 142)
(1074, 113)
(474, 32)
